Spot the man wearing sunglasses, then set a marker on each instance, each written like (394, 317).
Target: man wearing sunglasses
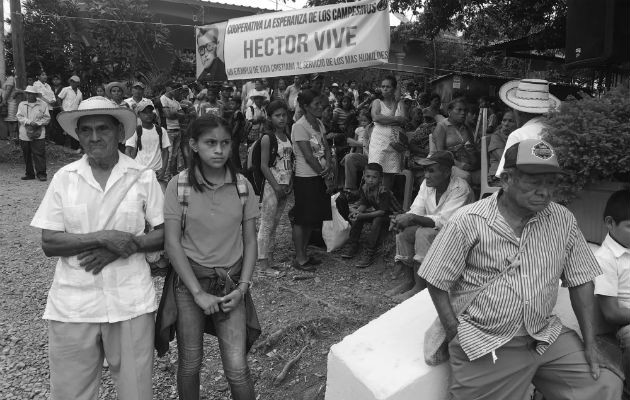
(213, 66)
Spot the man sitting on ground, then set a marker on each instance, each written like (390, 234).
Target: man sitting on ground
(613, 287)
(376, 204)
(493, 274)
(440, 195)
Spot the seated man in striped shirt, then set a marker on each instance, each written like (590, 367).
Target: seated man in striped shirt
(493, 274)
(440, 195)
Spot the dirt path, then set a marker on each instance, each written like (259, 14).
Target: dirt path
(312, 310)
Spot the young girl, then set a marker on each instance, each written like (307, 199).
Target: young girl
(277, 179)
(213, 253)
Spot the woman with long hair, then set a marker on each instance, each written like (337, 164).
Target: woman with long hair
(313, 164)
(211, 243)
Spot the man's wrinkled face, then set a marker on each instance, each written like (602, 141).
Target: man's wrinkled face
(532, 192)
(99, 135)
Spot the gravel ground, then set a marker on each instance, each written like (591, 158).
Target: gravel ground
(315, 310)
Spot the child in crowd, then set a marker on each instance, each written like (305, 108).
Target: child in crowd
(613, 286)
(149, 145)
(355, 161)
(210, 233)
(276, 163)
(376, 204)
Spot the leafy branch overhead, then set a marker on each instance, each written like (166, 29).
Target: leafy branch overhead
(59, 42)
(480, 21)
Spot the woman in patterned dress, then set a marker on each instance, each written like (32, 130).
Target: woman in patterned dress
(388, 116)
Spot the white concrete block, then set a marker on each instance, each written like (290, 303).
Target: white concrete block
(384, 359)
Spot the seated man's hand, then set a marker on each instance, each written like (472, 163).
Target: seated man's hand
(402, 221)
(96, 259)
(121, 243)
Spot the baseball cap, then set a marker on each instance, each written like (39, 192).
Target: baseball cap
(75, 78)
(138, 84)
(439, 157)
(532, 156)
(143, 104)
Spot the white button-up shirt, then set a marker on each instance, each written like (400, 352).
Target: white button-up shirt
(531, 129)
(70, 99)
(47, 93)
(32, 112)
(76, 203)
(457, 195)
(614, 259)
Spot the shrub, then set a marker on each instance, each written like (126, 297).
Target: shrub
(592, 138)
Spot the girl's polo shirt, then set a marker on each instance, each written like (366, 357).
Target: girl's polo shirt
(213, 235)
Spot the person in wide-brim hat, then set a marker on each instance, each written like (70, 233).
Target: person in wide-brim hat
(529, 95)
(111, 85)
(98, 105)
(32, 90)
(530, 101)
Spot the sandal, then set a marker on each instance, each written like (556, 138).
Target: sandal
(267, 273)
(306, 267)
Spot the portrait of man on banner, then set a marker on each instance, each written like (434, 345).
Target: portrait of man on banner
(210, 62)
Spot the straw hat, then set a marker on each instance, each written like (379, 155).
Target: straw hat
(529, 95)
(111, 85)
(32, 89)
(98, 105)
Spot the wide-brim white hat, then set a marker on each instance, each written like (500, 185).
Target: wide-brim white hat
(529, 95)
(98, 105)
(33, 90)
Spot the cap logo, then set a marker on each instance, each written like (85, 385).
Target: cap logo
(542, 150)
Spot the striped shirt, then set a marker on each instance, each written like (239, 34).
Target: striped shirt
(477, 244)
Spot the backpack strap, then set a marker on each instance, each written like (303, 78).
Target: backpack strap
(139, 137)
(273, 149)
(241, 188)
(159, 131)
(183, 194)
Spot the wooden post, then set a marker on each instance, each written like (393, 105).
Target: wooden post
(3, 65)
(17, 40)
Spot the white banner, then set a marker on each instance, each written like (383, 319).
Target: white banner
(317, 39)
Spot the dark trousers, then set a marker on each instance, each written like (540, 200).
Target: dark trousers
(34, 152)
(379, 226)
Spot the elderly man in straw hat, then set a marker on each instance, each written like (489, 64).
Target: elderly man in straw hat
(493, 274)
(102, 300)
(33, 116)
(530, 100)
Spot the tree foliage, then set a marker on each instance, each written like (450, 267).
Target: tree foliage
(71, 36)
(480, 21)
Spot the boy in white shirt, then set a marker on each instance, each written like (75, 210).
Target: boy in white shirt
(613, 286)
(144, 145)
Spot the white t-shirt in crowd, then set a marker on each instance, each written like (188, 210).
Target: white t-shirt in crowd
(150, 156)
(303, 131)
(171, 105)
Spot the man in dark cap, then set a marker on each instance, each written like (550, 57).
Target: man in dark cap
(440, 195)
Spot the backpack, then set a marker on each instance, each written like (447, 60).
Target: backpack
(253, 170)
(251, 133)
(184, 187)
(159, 131)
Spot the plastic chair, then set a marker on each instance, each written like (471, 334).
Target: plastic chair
(486, 189)
(408, 189)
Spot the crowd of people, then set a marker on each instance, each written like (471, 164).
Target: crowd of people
(201, 176)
